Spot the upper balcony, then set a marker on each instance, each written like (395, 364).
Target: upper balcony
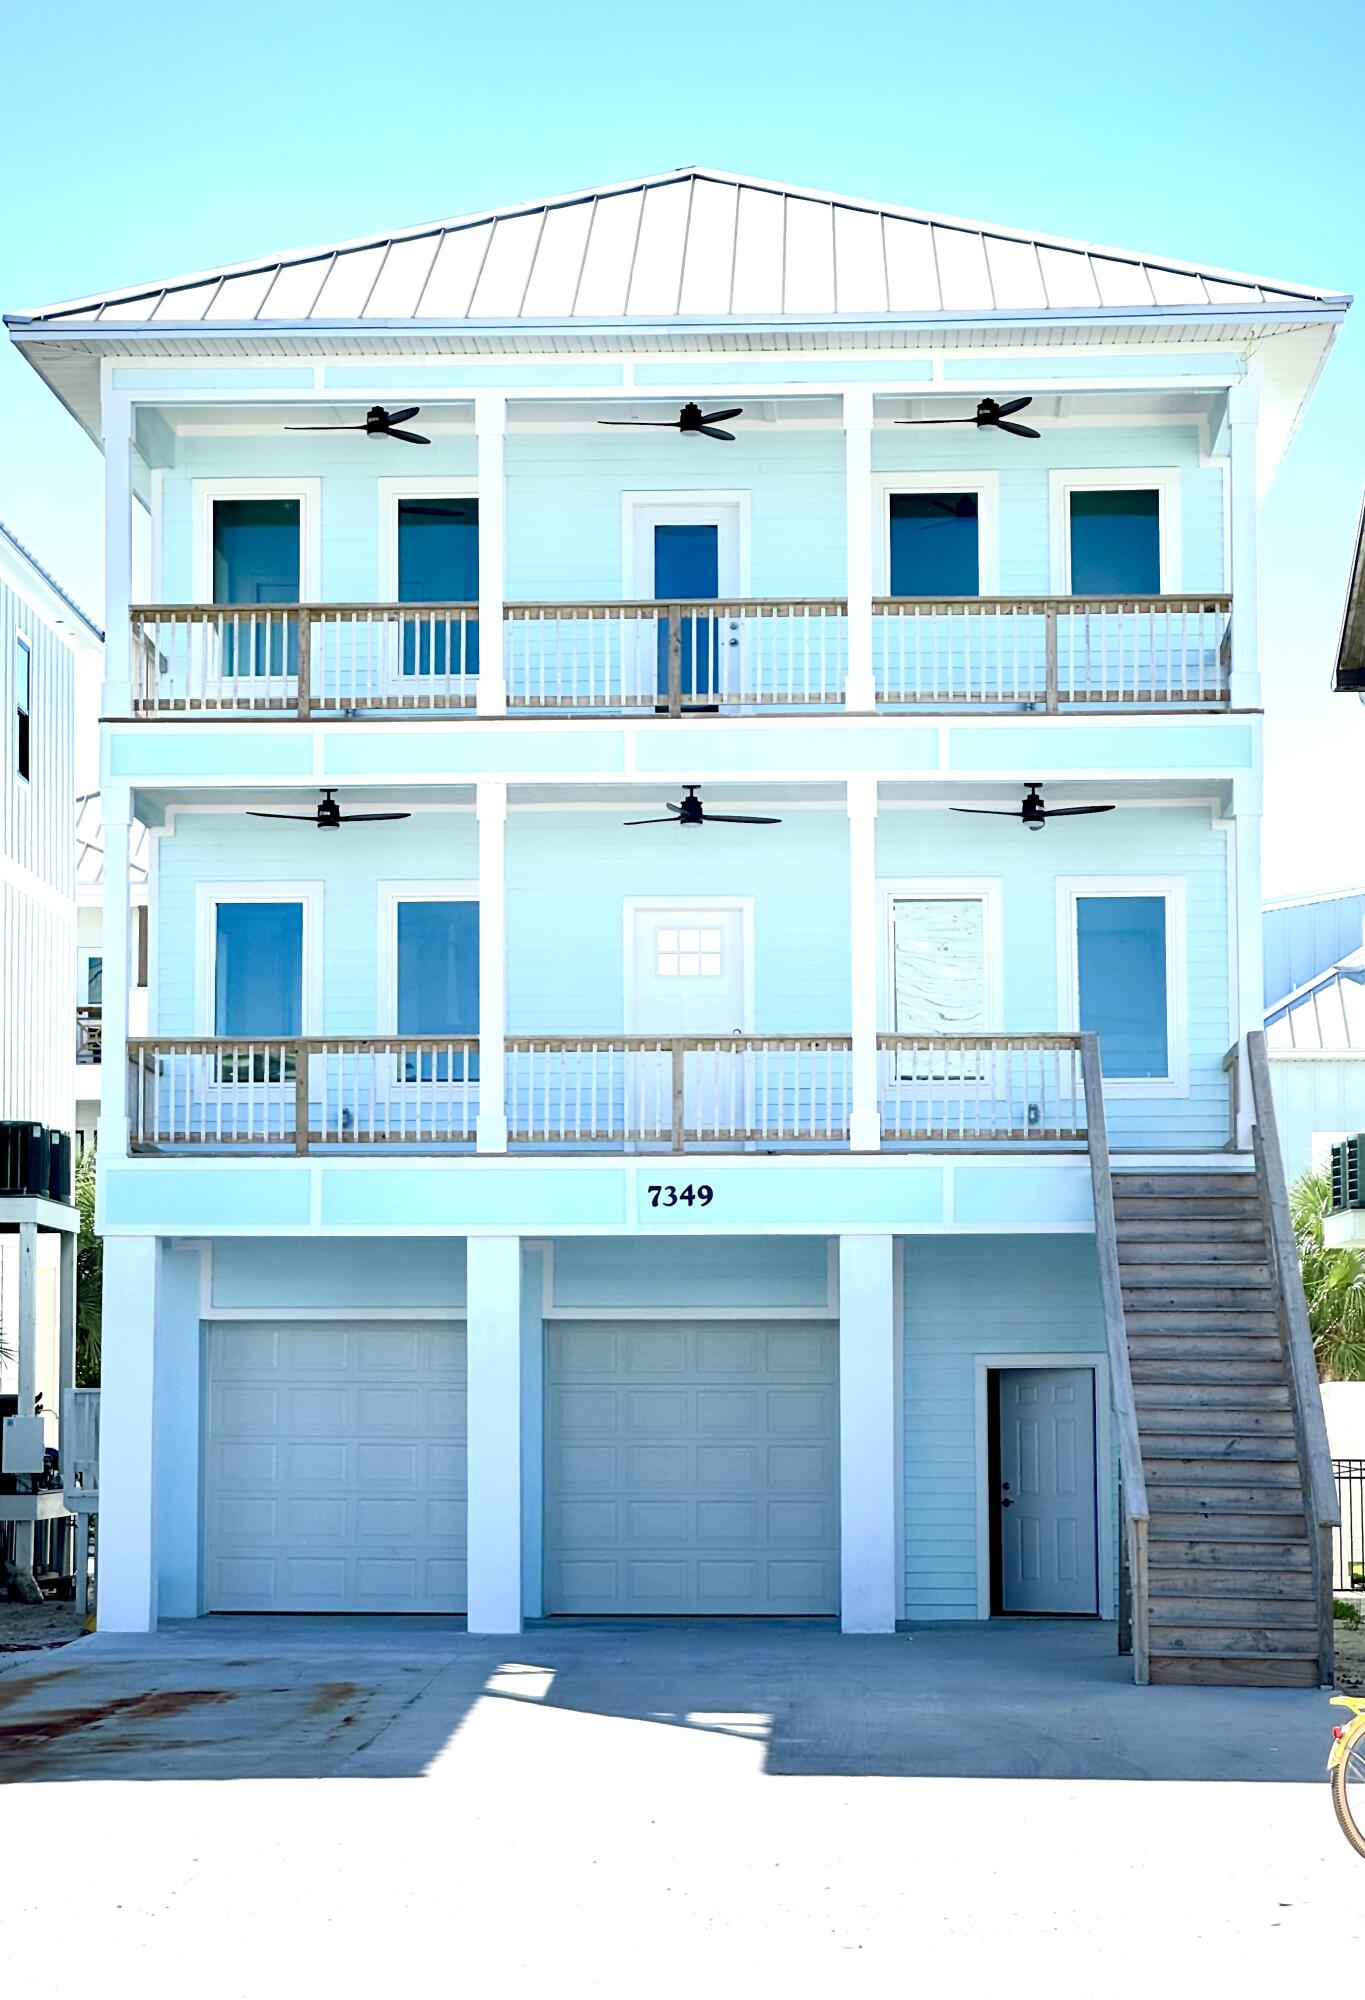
(646, 657)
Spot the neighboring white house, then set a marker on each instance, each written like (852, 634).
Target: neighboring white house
(90, 958)
(644, 1109)
(1315, 1023)
(49, 651)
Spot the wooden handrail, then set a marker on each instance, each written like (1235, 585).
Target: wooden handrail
(1198, 600)
(1045, 1040)
(651, 607)
(1310, 1425)
(1136, 1510)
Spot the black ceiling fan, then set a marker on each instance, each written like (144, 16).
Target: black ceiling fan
(689, 420)
(329, 815)
(990, 416)
(378, 422)
(1033, 813)
(692, 813)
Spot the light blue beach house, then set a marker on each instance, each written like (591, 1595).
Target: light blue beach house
(701, 749)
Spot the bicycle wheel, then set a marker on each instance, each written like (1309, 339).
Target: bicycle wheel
(1348, 1793)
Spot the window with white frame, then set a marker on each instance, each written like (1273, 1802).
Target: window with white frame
(689, 954)
(939, 535)
(436, 983)
(1116, 534)
(23, 705)
(258, 973)
(1123, 980)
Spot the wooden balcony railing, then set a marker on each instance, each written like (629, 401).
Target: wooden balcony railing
(964, 1089)
(669, 1093)
(651, 657)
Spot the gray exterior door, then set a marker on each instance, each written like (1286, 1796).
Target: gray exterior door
(1048, 1542)
(335, 1467)
(691, 1468)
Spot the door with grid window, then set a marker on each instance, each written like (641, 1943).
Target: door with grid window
(688, 980)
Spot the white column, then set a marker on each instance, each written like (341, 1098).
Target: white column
(490, 428)
(870, 1481)
(116, 808)
(491, 811)
(1246, 930)
(859, 690)
(117, 417)
(865, 1125)
(1243, 415)
(533, 1432)
(126, 1577)
(26, 1380)
(495, 1433)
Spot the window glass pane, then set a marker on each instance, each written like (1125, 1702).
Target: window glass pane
(256, 552)
(1121, 971)
(1116, 544)
(939, 946)
(935, 545)
(258, 985)
(438, 968)
(23, 676)
(94, 982)
(438, 563)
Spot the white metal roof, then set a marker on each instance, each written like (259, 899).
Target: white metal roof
(693, 244)
(29, 575)
(1327, 1015)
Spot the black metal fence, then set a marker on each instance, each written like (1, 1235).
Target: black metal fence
(1349, 1567)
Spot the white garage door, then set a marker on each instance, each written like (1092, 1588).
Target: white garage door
(691, 1468)
(335, 1468)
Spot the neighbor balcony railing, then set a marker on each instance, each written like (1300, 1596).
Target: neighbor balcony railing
(89, 1033)
(611, 1092)
(651, 657)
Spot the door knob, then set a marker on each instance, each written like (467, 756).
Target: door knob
(1006, 1503)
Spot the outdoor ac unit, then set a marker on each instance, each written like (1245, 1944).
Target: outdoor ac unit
(1348, 1174)
(25, 1159)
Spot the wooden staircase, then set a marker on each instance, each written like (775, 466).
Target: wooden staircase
(1231, 1588)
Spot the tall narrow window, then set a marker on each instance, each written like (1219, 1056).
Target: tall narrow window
(1115, 543)
(939, 965)
(1121, 978)
(256, 561)
(935, 545)
(438, 563)
(438, 983)
(23, 700)
(258, 986)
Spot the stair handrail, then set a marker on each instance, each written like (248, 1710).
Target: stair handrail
(1136, 1512)
(1310, 1425)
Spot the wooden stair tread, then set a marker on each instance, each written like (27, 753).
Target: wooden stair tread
(1241, 1423)
(1167, 1369)
(1227, 1231)
(1232, 1398)
(1192, 1255)
(1202, 1580)
(1132, 1181)
(1281, 1614)
(1230, 1451)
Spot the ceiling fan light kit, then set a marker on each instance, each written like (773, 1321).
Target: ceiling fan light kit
(691, 420)
(990, 416)
(691, 812)
(1033, 815)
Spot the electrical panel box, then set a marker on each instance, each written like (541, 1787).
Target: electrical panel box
(21, 1444)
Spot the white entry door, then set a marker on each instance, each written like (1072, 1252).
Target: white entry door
(1048, 1542)
(688, 978)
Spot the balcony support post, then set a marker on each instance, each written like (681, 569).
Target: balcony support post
(1243, 416)
(117, 810)
(128, 1412)
(865, 1129)
(1247, 995)
(870, 1476)
(860, 693)
(490, 429)
(117, 424)
(494, 1307)
(491, 811)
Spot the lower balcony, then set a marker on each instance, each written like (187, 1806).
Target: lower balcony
(587, 1093)
(1049, 654)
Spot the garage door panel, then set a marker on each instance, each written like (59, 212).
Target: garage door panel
(691, 1469)
(336, 1467)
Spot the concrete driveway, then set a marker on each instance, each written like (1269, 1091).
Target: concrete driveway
(637, 1808)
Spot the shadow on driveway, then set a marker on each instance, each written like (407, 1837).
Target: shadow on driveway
(238, 1697)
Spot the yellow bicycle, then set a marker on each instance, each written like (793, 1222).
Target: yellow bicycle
(1346, 1764)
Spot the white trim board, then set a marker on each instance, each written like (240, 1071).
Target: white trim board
(1098, 1364)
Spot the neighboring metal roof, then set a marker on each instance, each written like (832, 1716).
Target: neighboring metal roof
(90, 846)
(1350, 668)
(1304, 936)
(1325, 1016)
(692, 244)
(48, 581)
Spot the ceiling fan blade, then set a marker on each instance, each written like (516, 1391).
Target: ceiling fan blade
(710, 431)
(304, 819)
(739, 819)
(988, 812)
(351, 819)
(1008, 409)
(408, 437)
(1072, 812)
(1015, 430)
(935, 420)
(638, 424)
(324, 427)
(669, 819)
(401, 416)
(722, 416)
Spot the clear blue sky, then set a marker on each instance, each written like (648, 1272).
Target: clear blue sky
(149, 139)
